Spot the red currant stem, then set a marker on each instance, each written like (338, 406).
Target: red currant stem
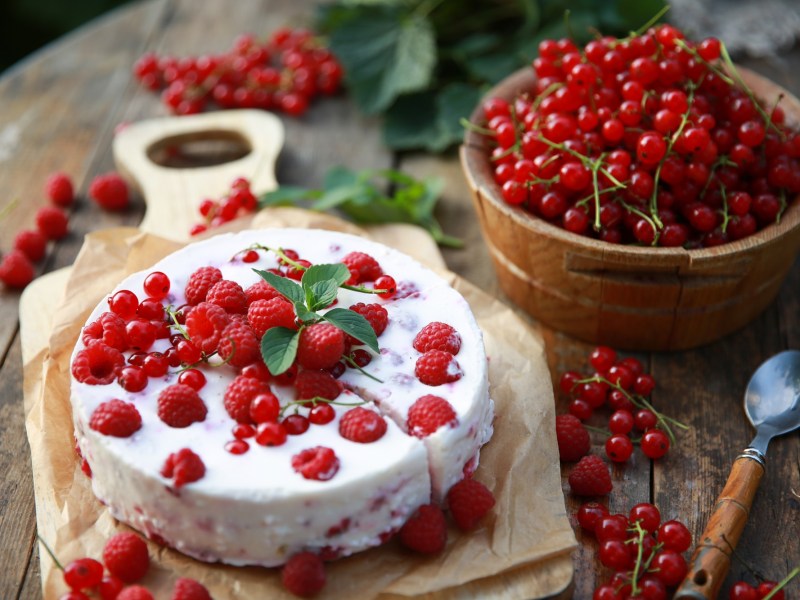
(314, 401)
(553, 87)
(632, 209)
(640, 533)
(722, 161)
(607, 433)
(585, 200)
(172, 312)
(224, 362)
(652, 21)
(782, 209)
(50, 552)
(732, 550)
(725, 216)
(349, 360)
(595, 184)
(467, 124)
(670, 143)
(593, 165)
(8, 208)
(783, 583)
(363, 290)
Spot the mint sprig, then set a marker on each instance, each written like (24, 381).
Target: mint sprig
(317, 290)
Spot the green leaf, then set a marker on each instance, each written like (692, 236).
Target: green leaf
(286, 287)
(411, 123)
(353, 324)
(279, 348)
(304, 314)
(286, 195)
(322, 293)
(332, 198)
(386, 51)
(454, 102)
(338, 272)
(339, 176)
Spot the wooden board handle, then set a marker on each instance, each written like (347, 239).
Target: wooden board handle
(173, 195)
(712, 556)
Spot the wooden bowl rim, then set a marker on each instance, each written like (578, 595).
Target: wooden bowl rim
(473, 154)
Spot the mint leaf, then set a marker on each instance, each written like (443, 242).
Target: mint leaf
(316, 273)
(304, 314)
(287, 195)
(353, 324)
(386, 51)
(321, 294)
(286, 287)
(279, 348)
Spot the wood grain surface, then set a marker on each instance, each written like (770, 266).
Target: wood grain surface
(58, 111)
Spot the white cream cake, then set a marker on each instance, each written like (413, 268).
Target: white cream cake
(250, 504)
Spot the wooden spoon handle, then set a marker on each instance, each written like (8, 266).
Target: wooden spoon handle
(712, 556)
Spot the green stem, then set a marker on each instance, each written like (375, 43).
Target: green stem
(349, 360)
(639, 552)
(7, 208)
(314, 401)
(783, 583)
(50, 552)
(172, 315)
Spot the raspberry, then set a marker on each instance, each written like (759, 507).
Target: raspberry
(135, 592)
(16, 271)
(189, 589)
(362, 425)
(425, 531)
(321, 346)
(110, 191)
(437, 367)
(97, 364)
(375, 314)
(313, 384)
(58, 188)
(205, 325)
(438, 336)
(261, 290)
(590, 477)
(429, 413)
(266, 314)
(573, 439)
(469, 501)
(362, 266)
(240, 393)
(31, 243)
(229, 295)
(52, 222)
(185, 466)
(116, 418)
(110, 329)
(304, 574)
(125, 556)
(200, 282)
(238, 344)
(318, 463)
(180, 406)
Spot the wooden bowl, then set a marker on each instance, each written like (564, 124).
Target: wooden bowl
(636, 298)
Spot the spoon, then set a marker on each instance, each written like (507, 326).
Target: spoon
(772, 404)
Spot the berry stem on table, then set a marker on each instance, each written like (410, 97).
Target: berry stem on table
(50, 552)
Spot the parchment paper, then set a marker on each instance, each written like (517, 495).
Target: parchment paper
(506, 557)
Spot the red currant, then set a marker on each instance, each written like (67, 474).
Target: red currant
(655, 443)
(83, 573)
(156, 285)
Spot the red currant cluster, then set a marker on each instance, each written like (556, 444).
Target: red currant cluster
(742, 590)
(238, 202)
(127, 561)
(623, 385)
(645, 554)
(651, 140)
(284, 73)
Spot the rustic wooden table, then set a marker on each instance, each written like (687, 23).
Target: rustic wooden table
(58, 111)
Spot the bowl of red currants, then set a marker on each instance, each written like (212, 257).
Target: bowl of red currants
(640, 192)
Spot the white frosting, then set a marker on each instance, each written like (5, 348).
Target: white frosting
(254, 508)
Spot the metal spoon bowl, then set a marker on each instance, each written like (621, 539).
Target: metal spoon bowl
(772, 404)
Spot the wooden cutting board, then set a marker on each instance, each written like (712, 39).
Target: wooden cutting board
(172, 196)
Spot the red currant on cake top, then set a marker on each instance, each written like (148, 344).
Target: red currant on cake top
(156, 285)
(125, 556)
(264, 408)
(124, 304)
(271, 434)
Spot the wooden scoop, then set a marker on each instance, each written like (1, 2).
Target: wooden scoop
(772, 403)
(167, 159)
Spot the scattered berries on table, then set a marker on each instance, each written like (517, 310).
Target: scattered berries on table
(109, 191)
(590, 477)
(59, 189)
(16, 270)
(425, 531)
(189, 589)
(52, 222)
(469, 500)
(125, 556)
(572, 437)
